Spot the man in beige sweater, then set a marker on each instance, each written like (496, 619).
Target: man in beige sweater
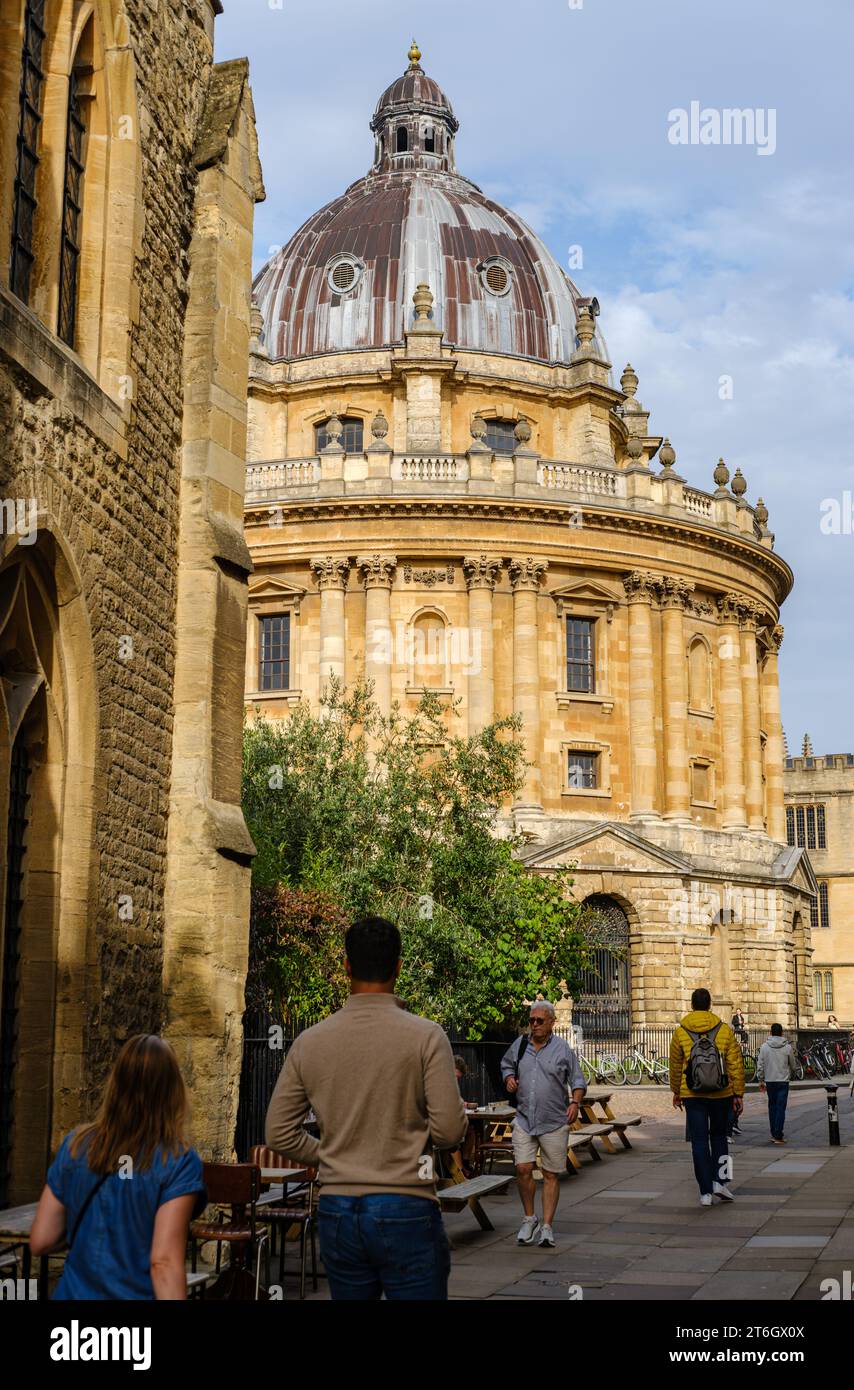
(381, 1083)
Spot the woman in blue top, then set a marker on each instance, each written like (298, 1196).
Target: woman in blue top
(123, 1190)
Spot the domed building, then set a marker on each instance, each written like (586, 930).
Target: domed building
(447, 490)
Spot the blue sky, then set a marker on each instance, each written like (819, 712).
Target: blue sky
(708, 261)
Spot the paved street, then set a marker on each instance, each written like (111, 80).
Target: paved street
(631, 1227)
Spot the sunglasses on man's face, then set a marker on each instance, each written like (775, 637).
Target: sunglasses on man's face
(537, 1020)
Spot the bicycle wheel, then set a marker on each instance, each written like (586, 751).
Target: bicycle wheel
(749, 1066)
(586, 1068)
(634, 1071)
(612, 1070)
(661, 1073)
(799, 1069)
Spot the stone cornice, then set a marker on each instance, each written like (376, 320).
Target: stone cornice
(740, 548)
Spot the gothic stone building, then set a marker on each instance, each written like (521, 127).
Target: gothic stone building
(128, 177)
(820, 818)
(447, 489)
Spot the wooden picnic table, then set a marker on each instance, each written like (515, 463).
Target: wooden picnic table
(601, 1096)
(498, 1114)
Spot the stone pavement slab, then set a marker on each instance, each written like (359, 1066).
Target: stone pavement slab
(631, 1229)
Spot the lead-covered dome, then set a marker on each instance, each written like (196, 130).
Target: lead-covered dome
(346, 279)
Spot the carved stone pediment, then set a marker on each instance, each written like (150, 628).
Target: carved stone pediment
(608, 847)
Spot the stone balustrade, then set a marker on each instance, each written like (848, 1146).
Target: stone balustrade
(501, 476)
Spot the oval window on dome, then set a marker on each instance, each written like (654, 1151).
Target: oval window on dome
(496, 277)
(344, 274)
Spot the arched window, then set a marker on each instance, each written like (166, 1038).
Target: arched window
(603, 1006)
(500, 436)
(817, 989)
(352, 435)
(828, 989)
(27, 163)
(429, 660)
(402, 140)
(699, 675)
(430, 140)
(79, 94)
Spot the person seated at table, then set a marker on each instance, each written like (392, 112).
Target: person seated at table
(122, 1191)
(465, 1158)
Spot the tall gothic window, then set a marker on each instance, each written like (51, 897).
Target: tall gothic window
(69, 260)
(275, 662)
(806, 826)
(823, 905)
(580, 671)
(27, 159)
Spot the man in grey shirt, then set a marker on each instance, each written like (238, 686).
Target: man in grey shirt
(540, 1070)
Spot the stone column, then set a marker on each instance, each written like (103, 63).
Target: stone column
(481, 573)
(641, 589)
(331, 573)
(525, 578)
(378, 573)
(731, 713)
(677, 788)
(774, 753)
(752, 720)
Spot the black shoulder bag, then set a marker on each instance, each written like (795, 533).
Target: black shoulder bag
(514, 1098)
(85, 1207)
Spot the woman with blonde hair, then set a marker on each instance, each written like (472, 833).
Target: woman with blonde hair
(122, 1191)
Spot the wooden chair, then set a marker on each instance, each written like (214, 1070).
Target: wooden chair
(295, 1209)
(236, 1186)
(499, 1140)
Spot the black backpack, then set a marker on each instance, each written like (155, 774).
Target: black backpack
(706, 1067)
(523, 1047)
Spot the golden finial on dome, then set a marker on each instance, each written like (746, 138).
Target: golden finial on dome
(414, 55)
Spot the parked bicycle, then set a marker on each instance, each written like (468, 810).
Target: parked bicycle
(604, 1070)
(637, 1066)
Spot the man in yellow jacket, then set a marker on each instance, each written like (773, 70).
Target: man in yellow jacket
(705, 1053)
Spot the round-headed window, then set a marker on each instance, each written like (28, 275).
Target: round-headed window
(496, 277)
(344, 274)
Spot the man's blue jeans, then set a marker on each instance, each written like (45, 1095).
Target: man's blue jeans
(384, 1244)
(778, 1097)
(707, 1125)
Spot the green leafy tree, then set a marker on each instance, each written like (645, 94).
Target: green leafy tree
(398, 816)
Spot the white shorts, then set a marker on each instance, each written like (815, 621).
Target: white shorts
(552, 1148)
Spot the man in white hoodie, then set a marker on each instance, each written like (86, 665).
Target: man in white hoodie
(775, 1068)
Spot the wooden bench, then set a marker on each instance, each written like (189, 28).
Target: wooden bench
(579, 1140)
(622, 1124)
(468, 1193)
(598, 1131)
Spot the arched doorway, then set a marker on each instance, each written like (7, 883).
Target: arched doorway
(33, 763)
(603, 1006)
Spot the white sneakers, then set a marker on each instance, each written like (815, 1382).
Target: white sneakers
(719, 1189)
(528, 1230)
(546, 1236)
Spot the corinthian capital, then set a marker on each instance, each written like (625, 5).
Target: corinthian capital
(527, 573)
(377, 570)
(675, 592)
(481, 571)
(331, 571)
(642, 586)
(730, 607)
(751, 612)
